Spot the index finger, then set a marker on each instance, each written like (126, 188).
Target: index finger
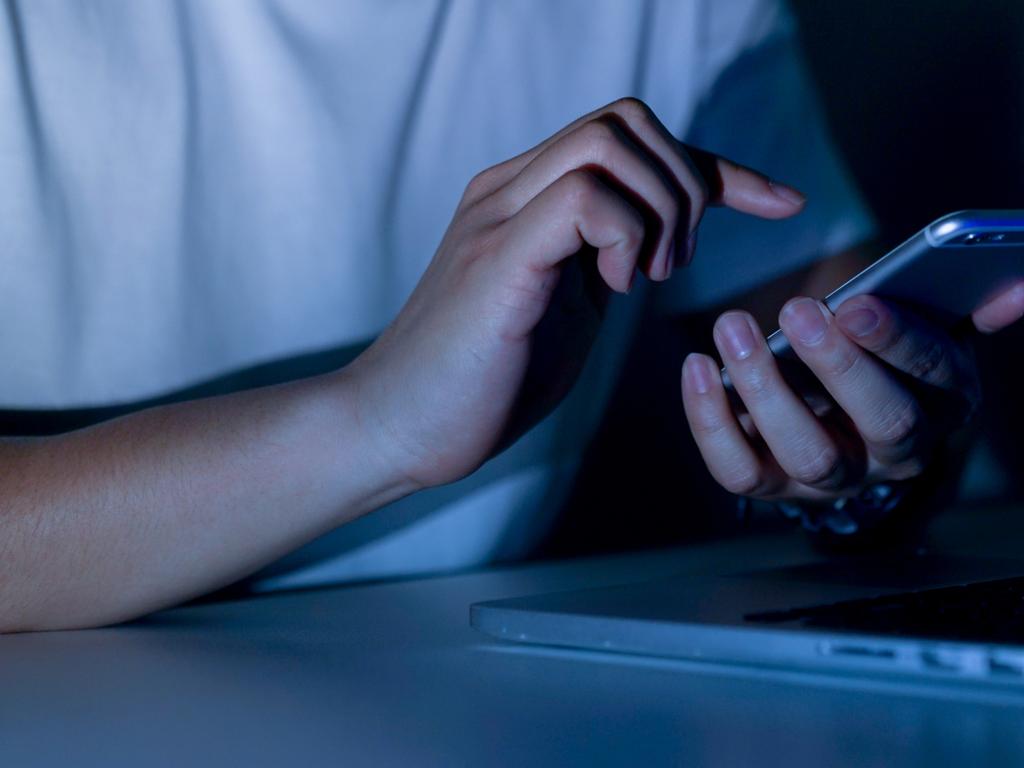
(728, 183)
(743, 189)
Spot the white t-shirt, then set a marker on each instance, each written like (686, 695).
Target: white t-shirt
(190, 190)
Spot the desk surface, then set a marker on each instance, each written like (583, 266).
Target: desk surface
(392, 674)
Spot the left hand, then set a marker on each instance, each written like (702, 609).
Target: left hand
(895, 384)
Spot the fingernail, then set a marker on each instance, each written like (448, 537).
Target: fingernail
(806, 318)
(695, 371)
(787, 193)
(738, 336)
(860, 322)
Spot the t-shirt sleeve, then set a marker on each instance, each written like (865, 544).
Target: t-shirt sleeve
(760, 109)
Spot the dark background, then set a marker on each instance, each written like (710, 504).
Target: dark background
(925, 100)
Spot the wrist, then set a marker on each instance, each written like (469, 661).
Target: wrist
(357, 449)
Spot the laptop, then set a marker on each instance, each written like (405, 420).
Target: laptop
(950, 618)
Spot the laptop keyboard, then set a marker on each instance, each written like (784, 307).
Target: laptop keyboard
(988, 611)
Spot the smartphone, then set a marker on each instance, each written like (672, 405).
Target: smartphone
(945, 271)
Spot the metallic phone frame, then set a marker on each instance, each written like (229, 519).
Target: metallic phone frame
(927, 271)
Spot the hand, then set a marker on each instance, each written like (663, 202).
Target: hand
(893, 387)
(501, 321)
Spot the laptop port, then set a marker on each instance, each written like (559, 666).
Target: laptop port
(860, 651)
(953, 660)
(1006, 664)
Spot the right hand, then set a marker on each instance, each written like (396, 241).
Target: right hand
(499, 326)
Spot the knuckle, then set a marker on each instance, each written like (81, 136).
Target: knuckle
(705, 425)
(632, 109)
(755, 384)
(898, 426)
(580, 186)
(481, 183)
(842, 362)
(742, 480)
(598, 137)
(819, 468)
(480, 210)
(632, 235)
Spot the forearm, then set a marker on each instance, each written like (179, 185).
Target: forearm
(118, 520)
